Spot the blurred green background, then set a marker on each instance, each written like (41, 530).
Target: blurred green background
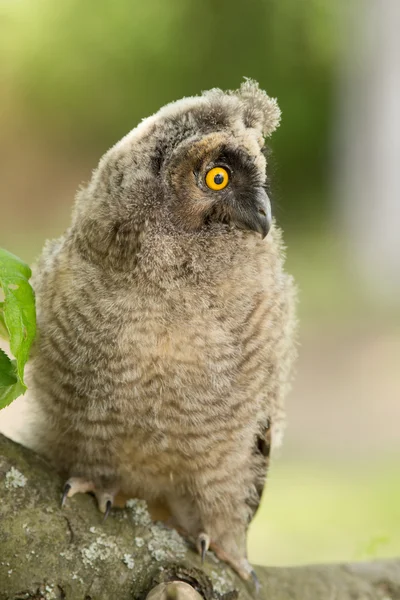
(75, 77)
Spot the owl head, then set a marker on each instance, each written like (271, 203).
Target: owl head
(197, 165)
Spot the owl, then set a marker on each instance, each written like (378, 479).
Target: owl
(167, 322)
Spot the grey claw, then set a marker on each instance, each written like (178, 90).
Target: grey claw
(67, 487)
(203, 550)
(107, 511)
(256, 581)
(202, 545)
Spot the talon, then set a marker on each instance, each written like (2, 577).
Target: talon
(203, 544)
(67, 487)
(256, 581)
(107, 511)
(203, 550)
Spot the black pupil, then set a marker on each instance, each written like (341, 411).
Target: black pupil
(218, 179)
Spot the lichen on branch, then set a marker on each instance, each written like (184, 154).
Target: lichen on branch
(70, 554)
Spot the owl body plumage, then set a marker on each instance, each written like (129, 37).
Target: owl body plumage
(166, 332)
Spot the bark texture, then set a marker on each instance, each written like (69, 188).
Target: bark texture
(53, 554)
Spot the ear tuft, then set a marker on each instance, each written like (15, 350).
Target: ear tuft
(259, 110)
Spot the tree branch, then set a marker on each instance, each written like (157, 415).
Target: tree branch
(53, 554)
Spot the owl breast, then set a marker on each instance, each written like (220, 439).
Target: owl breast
(184, 389)
(180, 364)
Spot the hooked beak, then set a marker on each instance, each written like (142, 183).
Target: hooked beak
(255, 213)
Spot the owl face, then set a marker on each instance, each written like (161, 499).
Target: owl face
(196, 165)
(218, 179)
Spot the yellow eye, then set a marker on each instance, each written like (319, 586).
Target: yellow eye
(217, 178)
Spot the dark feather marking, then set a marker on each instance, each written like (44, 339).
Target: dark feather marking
(261, 451)
(157, 158)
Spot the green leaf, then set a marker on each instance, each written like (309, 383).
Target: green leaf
(7, 371)
(17, 312)
(10, 386)
(3, 328)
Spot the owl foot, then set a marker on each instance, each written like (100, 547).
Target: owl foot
(76, 485)
(79, 485)
(242, 566)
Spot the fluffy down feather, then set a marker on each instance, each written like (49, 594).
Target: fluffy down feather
(166, 323)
